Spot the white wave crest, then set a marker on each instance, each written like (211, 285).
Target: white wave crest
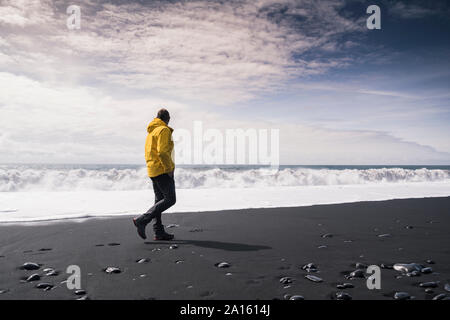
(113, 179)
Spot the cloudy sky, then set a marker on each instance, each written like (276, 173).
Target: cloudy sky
(338, 92)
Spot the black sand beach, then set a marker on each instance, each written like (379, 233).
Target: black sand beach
(261, 246)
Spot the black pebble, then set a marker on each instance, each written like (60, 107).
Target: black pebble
(343, 296)
(33, 277)
(112, 270)
(432, 284)
(426, 270)
(358, 273)
(297, 297)
(222, 265)
(44, 285)
(285, 280)
(345, 286)
(30, 266)
(402, 296)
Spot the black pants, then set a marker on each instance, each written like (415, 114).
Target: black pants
(165, 197)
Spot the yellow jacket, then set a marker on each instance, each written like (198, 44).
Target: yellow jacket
(158, 148)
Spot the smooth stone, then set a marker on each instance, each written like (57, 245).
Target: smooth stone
(413, 274)
(172, 225)
(384, 235)
(310, 267)
(447, 287)
(359, 265)
(409, 227)
(407, 267)
(33, 277)
(142, 260)
(50, 272)
(174, 246)
(180, 261)
(359, 273)
(386, 266)
(322, 247)
(80, 292)
(429, 291)
(327, 235)
(228, 274)
(44, 285)
(30, 266)
(343, 296)
(432, 284)
(222, 265)
(297, 297)
(426, 270)
(112, 270)
(287, 296)
(345, 286)
(84, 298)
(4, 291)
(401, 296)
(285, 280)
(440, 296)
(313, 278)
(112, 244)
(430, 262)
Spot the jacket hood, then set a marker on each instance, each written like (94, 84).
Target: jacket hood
(157, 123)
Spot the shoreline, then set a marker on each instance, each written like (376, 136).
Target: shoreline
(261, 245)
(34, 206)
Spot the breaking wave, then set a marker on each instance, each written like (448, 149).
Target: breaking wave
(109, 179)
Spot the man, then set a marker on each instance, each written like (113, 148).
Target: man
(160, 167)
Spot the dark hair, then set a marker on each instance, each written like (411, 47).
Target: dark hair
(164, 115)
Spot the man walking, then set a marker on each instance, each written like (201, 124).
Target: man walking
(160, 167)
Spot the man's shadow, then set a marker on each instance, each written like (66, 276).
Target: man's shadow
(228, 246)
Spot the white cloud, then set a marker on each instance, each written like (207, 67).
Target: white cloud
(222, 52)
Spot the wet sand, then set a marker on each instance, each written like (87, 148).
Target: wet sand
(261, 246)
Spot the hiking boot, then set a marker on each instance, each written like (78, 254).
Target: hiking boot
(160, 233)
(140, 223)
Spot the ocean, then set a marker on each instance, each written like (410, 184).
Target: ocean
(40, 192)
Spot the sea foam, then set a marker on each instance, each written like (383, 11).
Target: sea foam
(115, 179)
